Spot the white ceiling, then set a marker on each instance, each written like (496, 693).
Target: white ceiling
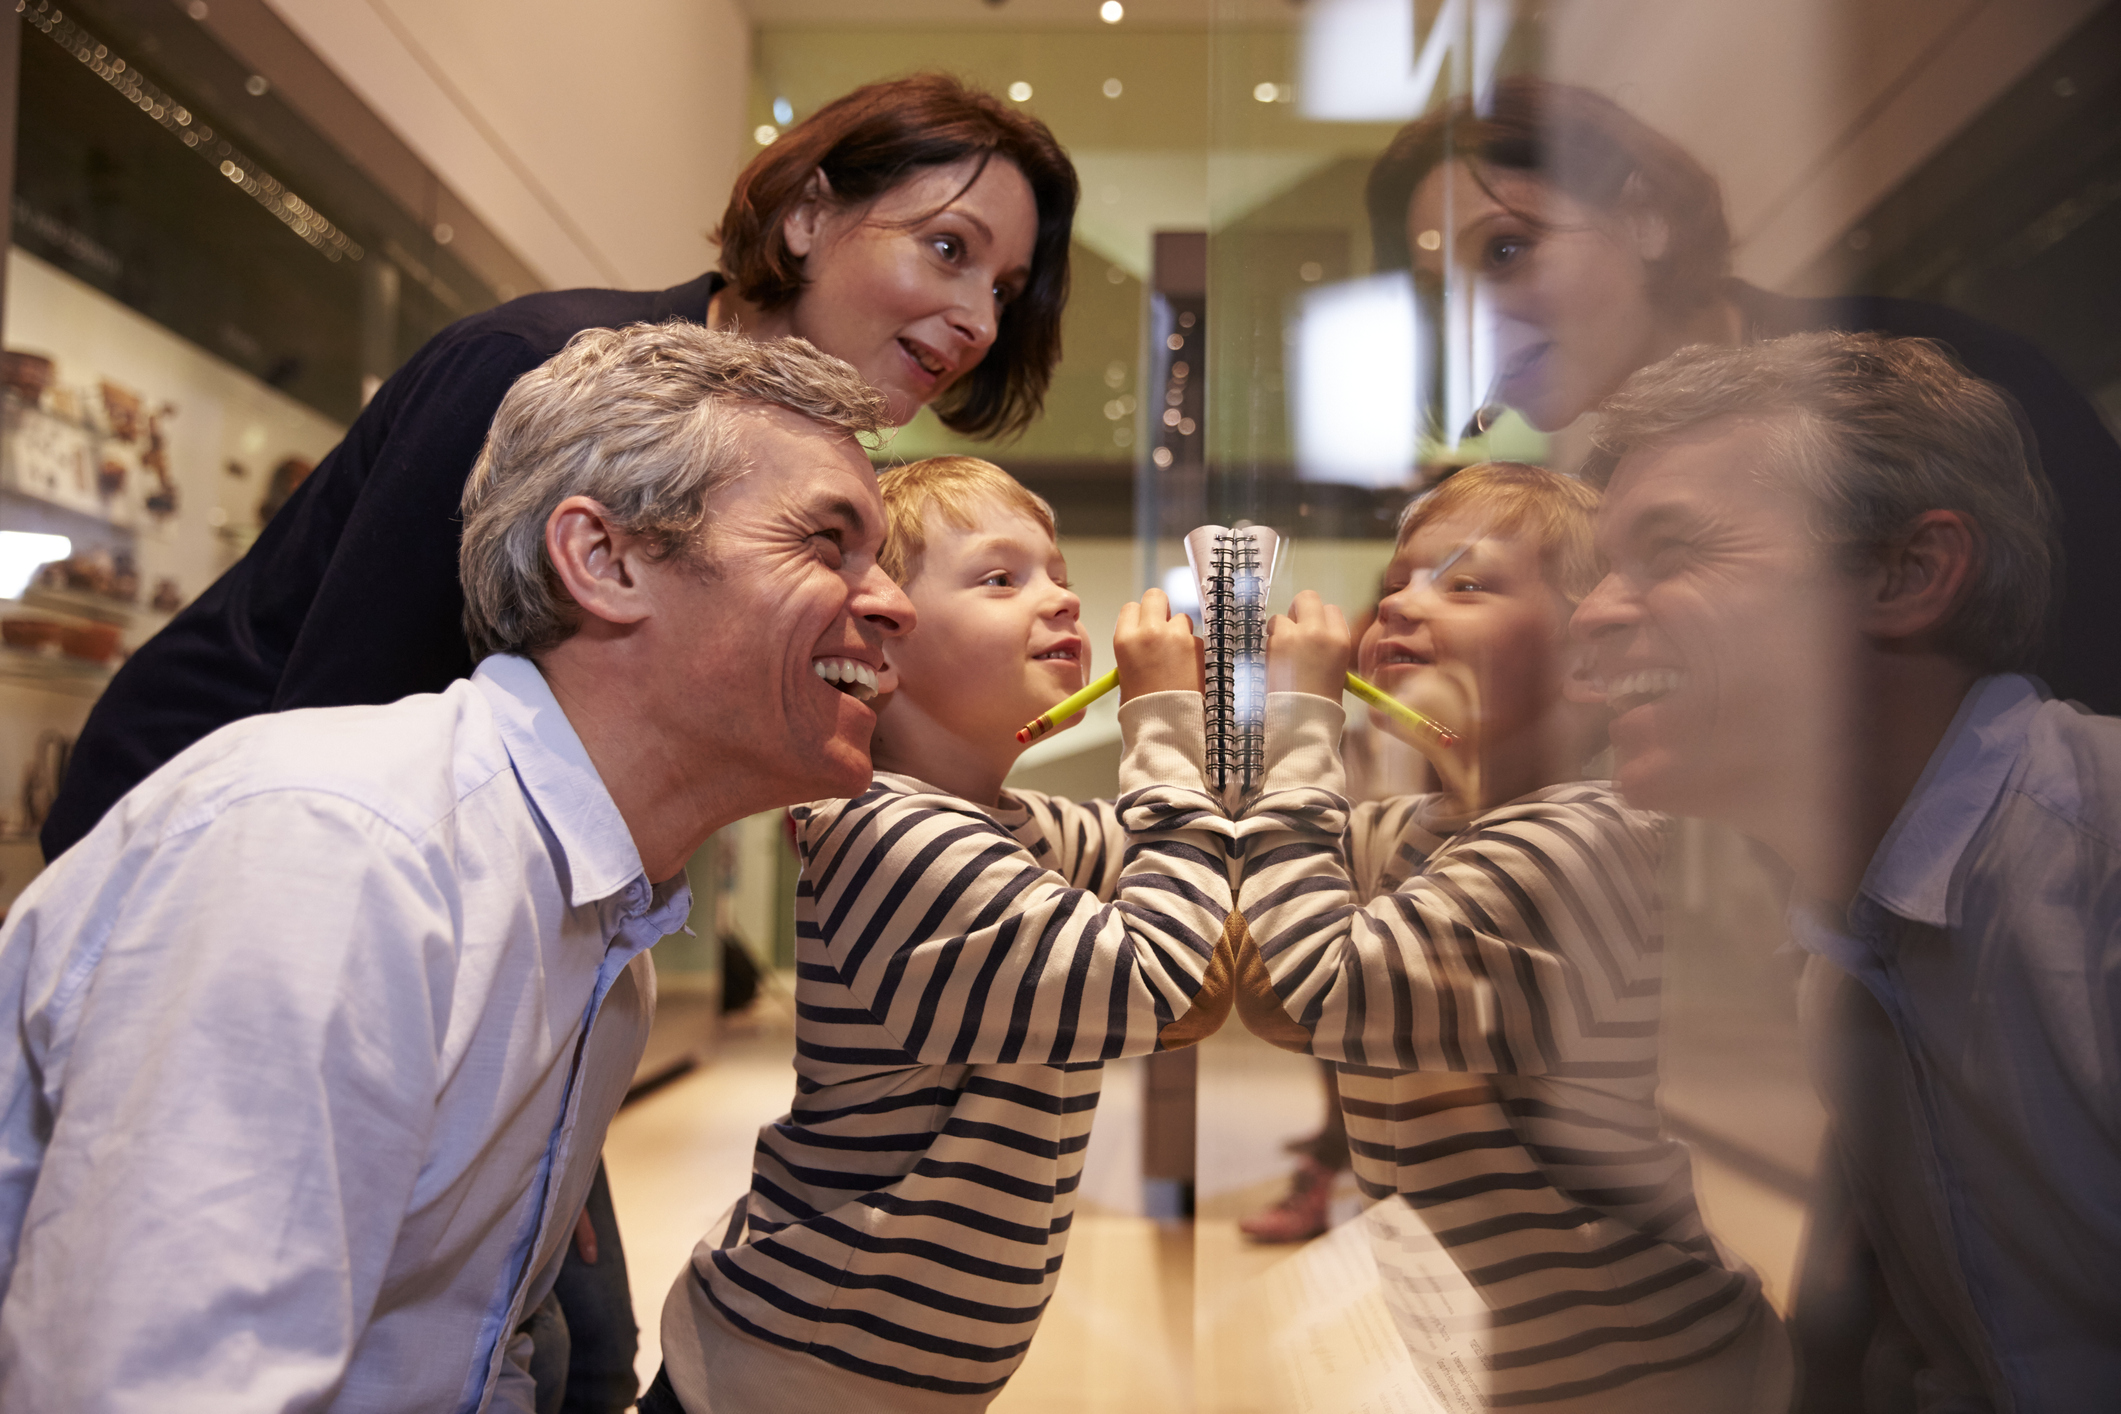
(1010, 14)
(599, 142)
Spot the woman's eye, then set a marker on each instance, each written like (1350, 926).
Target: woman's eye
(949, 247)
(1501, 251)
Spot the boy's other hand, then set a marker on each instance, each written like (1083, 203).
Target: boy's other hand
(1308, 648)
(1156, 650)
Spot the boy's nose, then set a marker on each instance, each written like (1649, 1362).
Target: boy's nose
(1406, 608)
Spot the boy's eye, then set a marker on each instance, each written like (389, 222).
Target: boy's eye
(1465, 584)
(998, 579)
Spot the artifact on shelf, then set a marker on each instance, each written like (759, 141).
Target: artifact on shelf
(26, 374)
(106, 573)
(32, 635)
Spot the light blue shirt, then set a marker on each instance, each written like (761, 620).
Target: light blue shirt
(1975, 1076)
(310, 1050)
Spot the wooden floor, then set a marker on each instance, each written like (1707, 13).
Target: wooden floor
(1151, 1316)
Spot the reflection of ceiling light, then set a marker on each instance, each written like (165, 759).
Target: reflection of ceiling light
(1020, 91)
(1113, 88)
(764, 134)
(1264, 92)
(1112, 12)
(1182, 589)
(1430, 240)
(783, 112)
(23, 554)
(1353, 381)
(177, 120)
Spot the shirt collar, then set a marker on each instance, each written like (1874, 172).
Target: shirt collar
(561, 782)
(1911, 874)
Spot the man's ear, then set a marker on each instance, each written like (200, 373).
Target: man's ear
(804, 225)
(1647, 227)
(1920, 577)
(598, 563)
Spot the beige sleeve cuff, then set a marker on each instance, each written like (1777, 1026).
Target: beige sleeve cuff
(1303, 743)
(1166, 741)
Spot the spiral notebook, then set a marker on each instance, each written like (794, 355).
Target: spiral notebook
(1235, 569)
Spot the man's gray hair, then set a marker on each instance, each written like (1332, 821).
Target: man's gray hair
(1875, 430)
(639, 420)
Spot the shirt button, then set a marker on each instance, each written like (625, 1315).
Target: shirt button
(637, 895)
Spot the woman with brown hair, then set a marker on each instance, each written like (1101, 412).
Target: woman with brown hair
(1600, 246)
(917, 229)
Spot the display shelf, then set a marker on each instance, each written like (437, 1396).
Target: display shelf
(82, 605)
(53, 672)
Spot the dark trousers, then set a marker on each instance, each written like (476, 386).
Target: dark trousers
(602, 1339)
(661, 1398)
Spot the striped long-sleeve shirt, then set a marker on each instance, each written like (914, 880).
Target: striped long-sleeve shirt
(963, 972)
(1490, 987)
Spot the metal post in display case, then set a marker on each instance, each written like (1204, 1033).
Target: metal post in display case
(1170, 498)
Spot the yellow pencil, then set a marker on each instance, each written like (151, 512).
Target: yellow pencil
(1392, 707)
(1067, 707)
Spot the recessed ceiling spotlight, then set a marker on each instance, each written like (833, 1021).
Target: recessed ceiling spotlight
(1020, 91)
(1114, 88)
(1112, 12)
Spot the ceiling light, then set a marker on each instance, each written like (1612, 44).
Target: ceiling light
(1112, 12)
(1020, 91)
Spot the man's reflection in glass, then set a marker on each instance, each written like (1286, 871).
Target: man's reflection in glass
(1829, 565)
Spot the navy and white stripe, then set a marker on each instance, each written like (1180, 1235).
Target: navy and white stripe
(963, 972)
(1490, 987)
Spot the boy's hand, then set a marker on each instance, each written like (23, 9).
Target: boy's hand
(1308, 648)
(1156, 651)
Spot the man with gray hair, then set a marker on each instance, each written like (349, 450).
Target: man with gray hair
(317, 1034)
(1830, 564)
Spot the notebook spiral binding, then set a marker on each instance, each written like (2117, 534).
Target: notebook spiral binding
(1235, 568)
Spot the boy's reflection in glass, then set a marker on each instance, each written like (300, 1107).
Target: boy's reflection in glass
(1488, 980)
(1601, 247)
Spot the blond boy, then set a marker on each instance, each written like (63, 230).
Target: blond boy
(968, 957)
(1486, 975)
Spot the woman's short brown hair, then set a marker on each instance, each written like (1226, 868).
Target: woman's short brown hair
(866, 143)
(1578, 142)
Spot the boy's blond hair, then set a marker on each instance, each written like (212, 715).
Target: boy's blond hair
(952, 487)
(1508, 498)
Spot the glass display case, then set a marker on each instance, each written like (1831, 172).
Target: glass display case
(1280, 320)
